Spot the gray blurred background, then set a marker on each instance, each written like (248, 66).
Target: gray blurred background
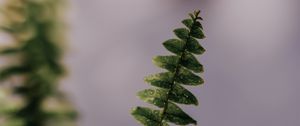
(252, 61)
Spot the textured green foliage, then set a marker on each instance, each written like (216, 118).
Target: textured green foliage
(166, 62)
(194, 47)
(174, 45)
(148, 117)
(36, 29)
(190, 62)
(12, 70)
(178, 116)
(181, 69)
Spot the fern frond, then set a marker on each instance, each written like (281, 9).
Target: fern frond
(36, 28)
(181, 69)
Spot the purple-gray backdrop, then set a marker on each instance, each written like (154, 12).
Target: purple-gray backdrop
(252, 60)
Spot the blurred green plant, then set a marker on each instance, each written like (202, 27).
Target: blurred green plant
(181, 70)
(29, 94)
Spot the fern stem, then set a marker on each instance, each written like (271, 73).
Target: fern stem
(165, 108)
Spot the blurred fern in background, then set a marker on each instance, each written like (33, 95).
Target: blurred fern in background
(29, 79)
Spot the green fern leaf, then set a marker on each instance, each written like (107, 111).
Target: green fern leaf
(177, 116)
(193, 46)
(175, 46)
(190, 62)
(197, 32)
(147, 116)
(182, 33)
(186, 77)
(8, 50)
(12, 70)
(162, 80)
(166, 62)
(188, 22)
